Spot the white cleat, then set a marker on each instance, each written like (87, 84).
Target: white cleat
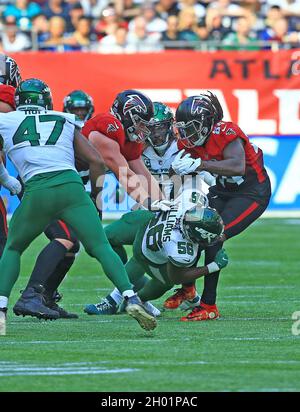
(190, 304)
(152, 309)
(136, 309)
(2, 322)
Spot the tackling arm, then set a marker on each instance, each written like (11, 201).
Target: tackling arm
(85, 151)
(139, 168)
(116, 162)
(234, 162)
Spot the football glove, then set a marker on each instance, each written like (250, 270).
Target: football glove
(9, 182)
(220, 262)
(184, 164)
(163, 205)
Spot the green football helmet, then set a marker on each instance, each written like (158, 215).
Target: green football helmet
(203, 225)
(161, 127)
(79, 103)
(33, 93)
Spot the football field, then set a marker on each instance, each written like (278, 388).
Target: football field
(251, 348)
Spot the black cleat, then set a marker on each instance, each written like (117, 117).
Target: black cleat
(51, 303)
(63, 314)
(32, 303)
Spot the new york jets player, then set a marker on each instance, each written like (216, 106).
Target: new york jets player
(57, 258)
(167, 245)
(41, 144)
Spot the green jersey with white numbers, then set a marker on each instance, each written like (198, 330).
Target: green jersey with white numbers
(38, 141)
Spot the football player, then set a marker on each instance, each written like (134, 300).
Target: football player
(167, 245)
(57, 258)
(159, 153)
(43, 153)
(242, 191)
(9, 79)
(119, 136)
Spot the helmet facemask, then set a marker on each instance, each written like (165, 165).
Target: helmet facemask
(137, 129)
(160, 134)
(195, 132)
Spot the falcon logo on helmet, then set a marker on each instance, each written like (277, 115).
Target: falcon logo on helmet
(134, 102)
(197, 105)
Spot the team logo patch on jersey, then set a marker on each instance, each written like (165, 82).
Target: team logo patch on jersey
(112, 127)
(230, 131)
(134, 102)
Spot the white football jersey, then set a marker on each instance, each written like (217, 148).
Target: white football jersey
(164, 240)
(38, 141)
(159, 166)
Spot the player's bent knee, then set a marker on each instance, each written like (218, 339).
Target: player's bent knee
(68, 244)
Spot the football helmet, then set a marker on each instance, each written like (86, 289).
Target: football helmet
(79, 103)
(9, 71)
(203, 225)
(161, 127)
(134, 110)
(33, 92)
(196, 117)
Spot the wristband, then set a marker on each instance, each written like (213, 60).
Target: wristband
(212, 267)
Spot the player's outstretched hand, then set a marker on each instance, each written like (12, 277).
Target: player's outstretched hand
(13, 185)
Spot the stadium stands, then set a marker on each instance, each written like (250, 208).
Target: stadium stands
(129, 26)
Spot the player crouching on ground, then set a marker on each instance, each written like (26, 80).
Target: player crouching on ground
(242, 190)
(168, 245)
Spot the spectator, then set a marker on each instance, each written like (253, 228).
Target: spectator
(274, 13)
(187, 24)
(127, 9)
(57, 8)
(81, 38)
(154, 24)
(198, 8)
(280, 33)
(242, 39)
(40, 26)
(14, 41)
(23, 11)
(171, 34)
(75, 12)
(140, 40)
(166, 8)
(214, 24)
(226, 10)
(108, 23)
(202, 30)
(115, 43)
(289, 7)
(94, 8)
(57, 26)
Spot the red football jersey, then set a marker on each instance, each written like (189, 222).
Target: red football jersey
(213, 149)
(110, 126)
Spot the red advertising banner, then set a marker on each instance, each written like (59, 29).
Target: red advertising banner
(259, 90)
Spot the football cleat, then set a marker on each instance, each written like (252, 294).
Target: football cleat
(3, 312)
(107, 306)
(32, 303)
(63, 314)
(137, 310)
(190, 304)
(180, 295)
(152, 309)
(202, 312)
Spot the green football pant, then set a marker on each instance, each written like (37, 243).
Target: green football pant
(129, 230)
(70, 203)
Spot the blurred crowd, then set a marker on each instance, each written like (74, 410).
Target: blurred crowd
(129, 26)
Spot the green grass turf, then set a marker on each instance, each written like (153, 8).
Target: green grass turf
(251, 348)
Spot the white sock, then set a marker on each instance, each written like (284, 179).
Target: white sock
(116, 295)
(3, 301)
(128, 293)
